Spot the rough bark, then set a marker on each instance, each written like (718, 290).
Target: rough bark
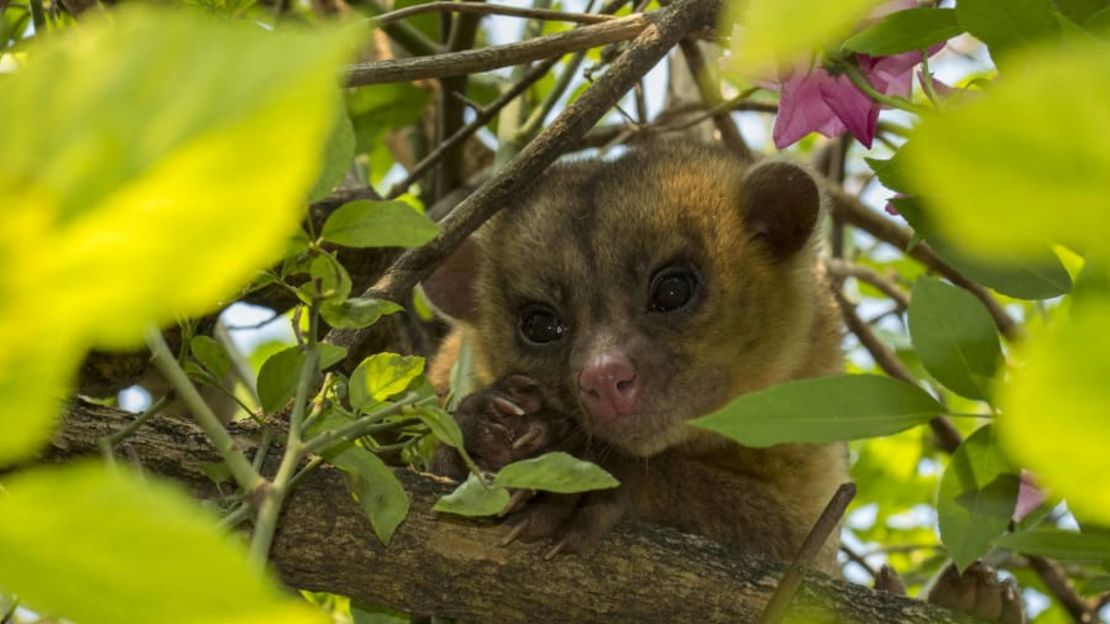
(454, 567)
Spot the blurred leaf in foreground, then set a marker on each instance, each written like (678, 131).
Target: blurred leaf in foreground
(90, 559)
(153, 162)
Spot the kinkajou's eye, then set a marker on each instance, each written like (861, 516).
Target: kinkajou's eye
(671, 288)
(539, 324)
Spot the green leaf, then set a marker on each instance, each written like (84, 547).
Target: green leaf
(211, 355)
(1096, 586)
(976, 499)
(372, 483)
(338, 153)
(904, 31)
(381, 376)
(889, 172)
(1004, 26)
(357, 312)
(375, 487)
(1060, 545)
(1100, 22)
(826, 409)
(1079, 11)
(773, 31)
(955, 337)
(376, 109)
(131, 202)
(217, 472)
(334, 280)
(330, 355)
(443, 426)
(1055, 409)
(998, 176)
(1038, 274)
(99, 545)
(277, 379)
(368, 223)
(555, 472)
(473, 498)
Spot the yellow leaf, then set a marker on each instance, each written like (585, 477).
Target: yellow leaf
(1055, 409)
(1028, 161)
(776, 31)
(95, 544)
(152, 162)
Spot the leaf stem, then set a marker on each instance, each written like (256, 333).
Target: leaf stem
(927, 81)
(363, 426)
(860, 81)
(245, 474)
(115, 438)
(236, 516)
(270, 507)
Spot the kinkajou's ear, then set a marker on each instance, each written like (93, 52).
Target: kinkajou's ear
(451, 288)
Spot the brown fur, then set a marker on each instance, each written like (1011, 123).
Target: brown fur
(587, 241)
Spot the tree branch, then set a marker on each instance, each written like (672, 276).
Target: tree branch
(452, 567)
(493, 57)
(710, 92)
(489, 9)
(483, 116)
(842, 268)
(665, 30)
(852, 211)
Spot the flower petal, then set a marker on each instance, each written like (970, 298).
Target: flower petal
(858, 112)
(803, 109)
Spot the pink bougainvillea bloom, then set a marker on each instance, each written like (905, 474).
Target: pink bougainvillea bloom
(812, 100)
(1030, 497)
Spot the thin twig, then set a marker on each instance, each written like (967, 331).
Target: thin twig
(451, 110)
(245, 474)
(843, 268)
(363, 426)
(484, 116)
(711, 94)
(407, 36)
(494, 57)
(270, 507)
(852, 210)
(148, 413)
(1077, 607)
(818, 535)
(859, 560)
(236, 516)
(489, 9)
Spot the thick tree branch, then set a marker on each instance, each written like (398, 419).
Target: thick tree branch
(667, 28)
(494, 57)
(452, 567)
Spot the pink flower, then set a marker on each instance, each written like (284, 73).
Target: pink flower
(1030, 497)
(813, 100)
